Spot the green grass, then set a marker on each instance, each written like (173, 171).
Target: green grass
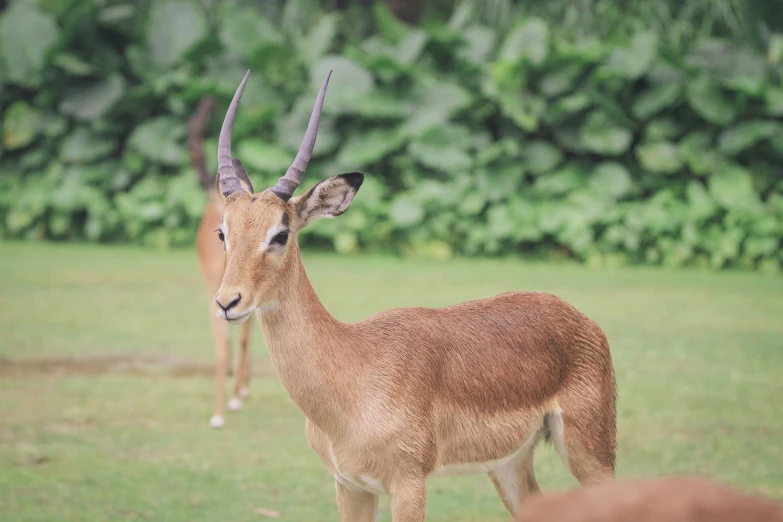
(97, 436)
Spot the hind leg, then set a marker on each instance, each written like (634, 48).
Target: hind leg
(585, 440)
(515, 480)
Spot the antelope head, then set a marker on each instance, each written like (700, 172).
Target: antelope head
(259, 231)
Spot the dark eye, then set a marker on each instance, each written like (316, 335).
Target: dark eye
(281, 238)
(221, 237)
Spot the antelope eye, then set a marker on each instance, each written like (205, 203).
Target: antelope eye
(281, 238)
(221, 237)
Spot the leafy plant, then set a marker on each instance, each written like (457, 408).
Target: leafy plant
(491, 131)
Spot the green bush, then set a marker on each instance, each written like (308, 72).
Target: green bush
(475, 139)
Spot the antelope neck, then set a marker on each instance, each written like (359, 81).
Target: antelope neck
(300, 334)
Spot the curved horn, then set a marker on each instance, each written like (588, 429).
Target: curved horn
(225, 163)
(286, 185)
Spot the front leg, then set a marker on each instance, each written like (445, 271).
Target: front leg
(356, 505)
(408, 500)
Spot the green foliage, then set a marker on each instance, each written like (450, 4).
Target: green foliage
(490, 133)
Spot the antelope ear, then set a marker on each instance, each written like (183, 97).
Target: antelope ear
(227, 185)
(329, 198)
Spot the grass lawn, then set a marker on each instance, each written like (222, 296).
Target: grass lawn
(106, 383)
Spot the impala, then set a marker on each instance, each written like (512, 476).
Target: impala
(411, 392)
(211, 259)
(676, 499)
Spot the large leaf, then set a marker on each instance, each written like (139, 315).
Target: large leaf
(561, 79)
(317, 41)
(662, 129)
(633, 61)
(160, 140)
(365, 148)
(91, 101)
(21, 124)
(265, 157)
(611, 180)
(736, 68)
(524, 109)
(436, 105)
(709, 101)
(479, 41)
(566, 106)
(746, 134)
(405, 211)
(701, 206)
(602, 135)
(410, 46)
(27, 35)
(72, 64)
(292, 128)
(348, 81)
(732, 188)
(774, 101)
(83, 146)
(659, 157)
(379, 104)
(244, 31)
(529, 40)
(561, 182)
(439, 157)
(541, 156)
(656, 98)
(697, 150)
(174, 27)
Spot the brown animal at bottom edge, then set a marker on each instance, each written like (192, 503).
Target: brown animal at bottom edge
(674, 499)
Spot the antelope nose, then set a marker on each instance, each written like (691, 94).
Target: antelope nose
(230, 305)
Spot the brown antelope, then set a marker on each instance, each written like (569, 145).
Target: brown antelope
(411, 392)
(659, 500)
(211, 259)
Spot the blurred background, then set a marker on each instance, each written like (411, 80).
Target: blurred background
(607, 132)
(627, 156)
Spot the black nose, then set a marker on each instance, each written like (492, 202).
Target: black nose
(230, 305)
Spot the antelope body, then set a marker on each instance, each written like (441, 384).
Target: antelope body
(211, 260)
(669, 499)
(412, 392)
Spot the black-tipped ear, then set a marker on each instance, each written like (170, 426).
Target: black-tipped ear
(327, 199)
(354, 179)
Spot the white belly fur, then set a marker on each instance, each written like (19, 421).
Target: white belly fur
(374, 486)
(491, 465)
(360, 483)
(472, 467)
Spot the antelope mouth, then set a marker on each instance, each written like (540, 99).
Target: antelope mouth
(234, 317)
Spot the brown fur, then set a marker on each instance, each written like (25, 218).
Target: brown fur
(407, 392)
(211, 260)
(669, 499)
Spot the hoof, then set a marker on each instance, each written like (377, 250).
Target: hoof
(235, 404)
(216, 421)
(244, 393)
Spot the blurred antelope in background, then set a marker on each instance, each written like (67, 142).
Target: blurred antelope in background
(411, 392)
(211, 259)
(658, 500)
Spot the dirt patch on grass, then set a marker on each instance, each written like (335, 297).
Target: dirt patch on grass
(120, 364)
